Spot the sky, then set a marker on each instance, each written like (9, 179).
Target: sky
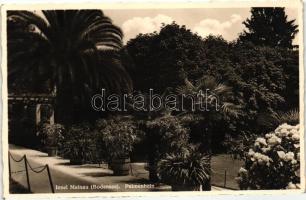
(204, 21)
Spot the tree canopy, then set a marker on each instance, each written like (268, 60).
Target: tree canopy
(270, 27)
(164, 59)
(76, 51)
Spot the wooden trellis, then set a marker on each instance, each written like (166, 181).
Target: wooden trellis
(39, 102)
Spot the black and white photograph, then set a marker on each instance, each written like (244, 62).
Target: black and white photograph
(153, 99)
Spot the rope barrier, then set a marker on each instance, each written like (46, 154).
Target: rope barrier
(14, 159)
(15, 172)
(26, 162)
(32, 169)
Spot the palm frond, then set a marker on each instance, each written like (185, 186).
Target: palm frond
(270, 121)
(185, 168)
(67, 45)
(231, 109)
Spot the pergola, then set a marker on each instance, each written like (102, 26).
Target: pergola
(39, 103)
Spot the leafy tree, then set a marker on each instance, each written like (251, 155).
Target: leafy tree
(270, 27)
(164, 59)
(74, 51)
(263, 79)
(265, 83)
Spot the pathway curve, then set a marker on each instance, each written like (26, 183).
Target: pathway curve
(75, 178)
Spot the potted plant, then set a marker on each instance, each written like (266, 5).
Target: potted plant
(50, 135)
(79, 144)
(118, 135)
(185, 171)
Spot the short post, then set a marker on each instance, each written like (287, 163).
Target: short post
(9, 162)
(27, 172)
(50, 179)
(224, 178)
(131, 169)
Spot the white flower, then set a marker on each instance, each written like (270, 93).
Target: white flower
(265, 150)
(261, 140)
(268, 135)
(294, 132)
(260, 158)
(297, 173)
(296, 137)
(289, 156)
(282, 132)
(257, 155)
(242, 171)
(277, 130)
(251, 152)
(281, 154)
(291, 186)
(296, 146)
(274, 140)
(285, 126)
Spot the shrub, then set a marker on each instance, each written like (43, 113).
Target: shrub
(188, 169)
(274, 161)
(79, 144)
(50, 134)
(117, 135)
(167, 134)
(238, 146)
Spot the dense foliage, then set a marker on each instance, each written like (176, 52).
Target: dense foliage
(118, 136)
(164, 59)
(50, 134)
(165, 134)
(269, 27)
(263, 79)
(79, 144)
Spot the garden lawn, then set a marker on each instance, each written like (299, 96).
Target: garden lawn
(221, 163)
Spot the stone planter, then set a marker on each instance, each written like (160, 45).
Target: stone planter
(186, 187)
(120, 166)
(52, 151)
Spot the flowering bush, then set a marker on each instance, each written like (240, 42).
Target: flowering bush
(274, 161)
(118, 136)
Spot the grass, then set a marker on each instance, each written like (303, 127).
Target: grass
(220, 164)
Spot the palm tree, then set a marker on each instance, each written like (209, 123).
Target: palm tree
(216, 97)
(218, 100)
(75, 51)
(270, 121)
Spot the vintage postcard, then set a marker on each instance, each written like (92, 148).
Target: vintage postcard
(152, 99)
